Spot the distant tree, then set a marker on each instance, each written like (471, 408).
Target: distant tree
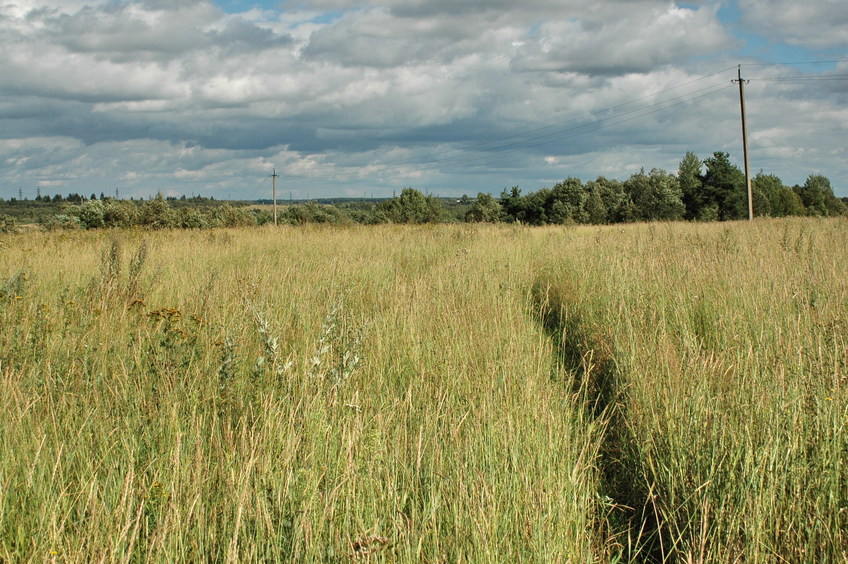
(689, 177)
(724, 187)
(594, 207)
(566, 202)
(484, 209)
(629, 211)
(612, 194)
(817, 196)
(790, 203)
(766, 189)
(513, 204)
(655, 197)
(412, 207)
(536, 207)
(761, 202)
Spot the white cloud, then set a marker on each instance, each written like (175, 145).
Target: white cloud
(639, 43)
(819, 24)
(376, 94)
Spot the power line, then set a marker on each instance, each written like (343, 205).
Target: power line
(826, 77)
(558, 134)
(602, 124)
(786, 63)
(592, 114)
(587, 116)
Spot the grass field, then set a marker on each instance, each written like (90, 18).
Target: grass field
(454, 393)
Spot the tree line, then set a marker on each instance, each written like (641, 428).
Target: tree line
(710, 190)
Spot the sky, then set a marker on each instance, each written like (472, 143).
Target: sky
(349, 98)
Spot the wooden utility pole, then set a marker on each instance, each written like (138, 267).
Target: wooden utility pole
(745, 141)
(274, 182)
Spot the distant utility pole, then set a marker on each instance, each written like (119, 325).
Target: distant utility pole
(745, 141)
(274, 184)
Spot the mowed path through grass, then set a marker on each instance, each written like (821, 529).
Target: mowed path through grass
(395, 393)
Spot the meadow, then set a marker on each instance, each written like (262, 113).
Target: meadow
(440, 393)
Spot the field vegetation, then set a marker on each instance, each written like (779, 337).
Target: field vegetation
(438, 393)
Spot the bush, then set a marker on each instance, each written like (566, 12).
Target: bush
(8, 224)
(484, 209)
(228, 216)
(92, 214)
(62, 221)
(412, 207)
(119, 213)
(157, 214)
(191, 218)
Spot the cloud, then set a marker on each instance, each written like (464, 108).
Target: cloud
(352, 96)
(819, 24)
(380, 38)
(637, 44)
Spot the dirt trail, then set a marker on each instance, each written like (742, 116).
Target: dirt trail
(586, 361)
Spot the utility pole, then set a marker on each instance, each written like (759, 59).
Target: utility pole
(274, 182)
(745, 141)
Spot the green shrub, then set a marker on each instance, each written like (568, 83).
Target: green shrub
(8, 224)
(119, 213)
(92, 214)
(157, 214)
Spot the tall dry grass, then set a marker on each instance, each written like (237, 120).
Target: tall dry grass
(292, 394)
(729, 345)
(455, 393)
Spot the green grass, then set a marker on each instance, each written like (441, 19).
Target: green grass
(437, 393)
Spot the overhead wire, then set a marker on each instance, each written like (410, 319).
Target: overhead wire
(788, 63)
(549, 134)
(555, 132)
(604, 123)
(605, 110)
(803, 78)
